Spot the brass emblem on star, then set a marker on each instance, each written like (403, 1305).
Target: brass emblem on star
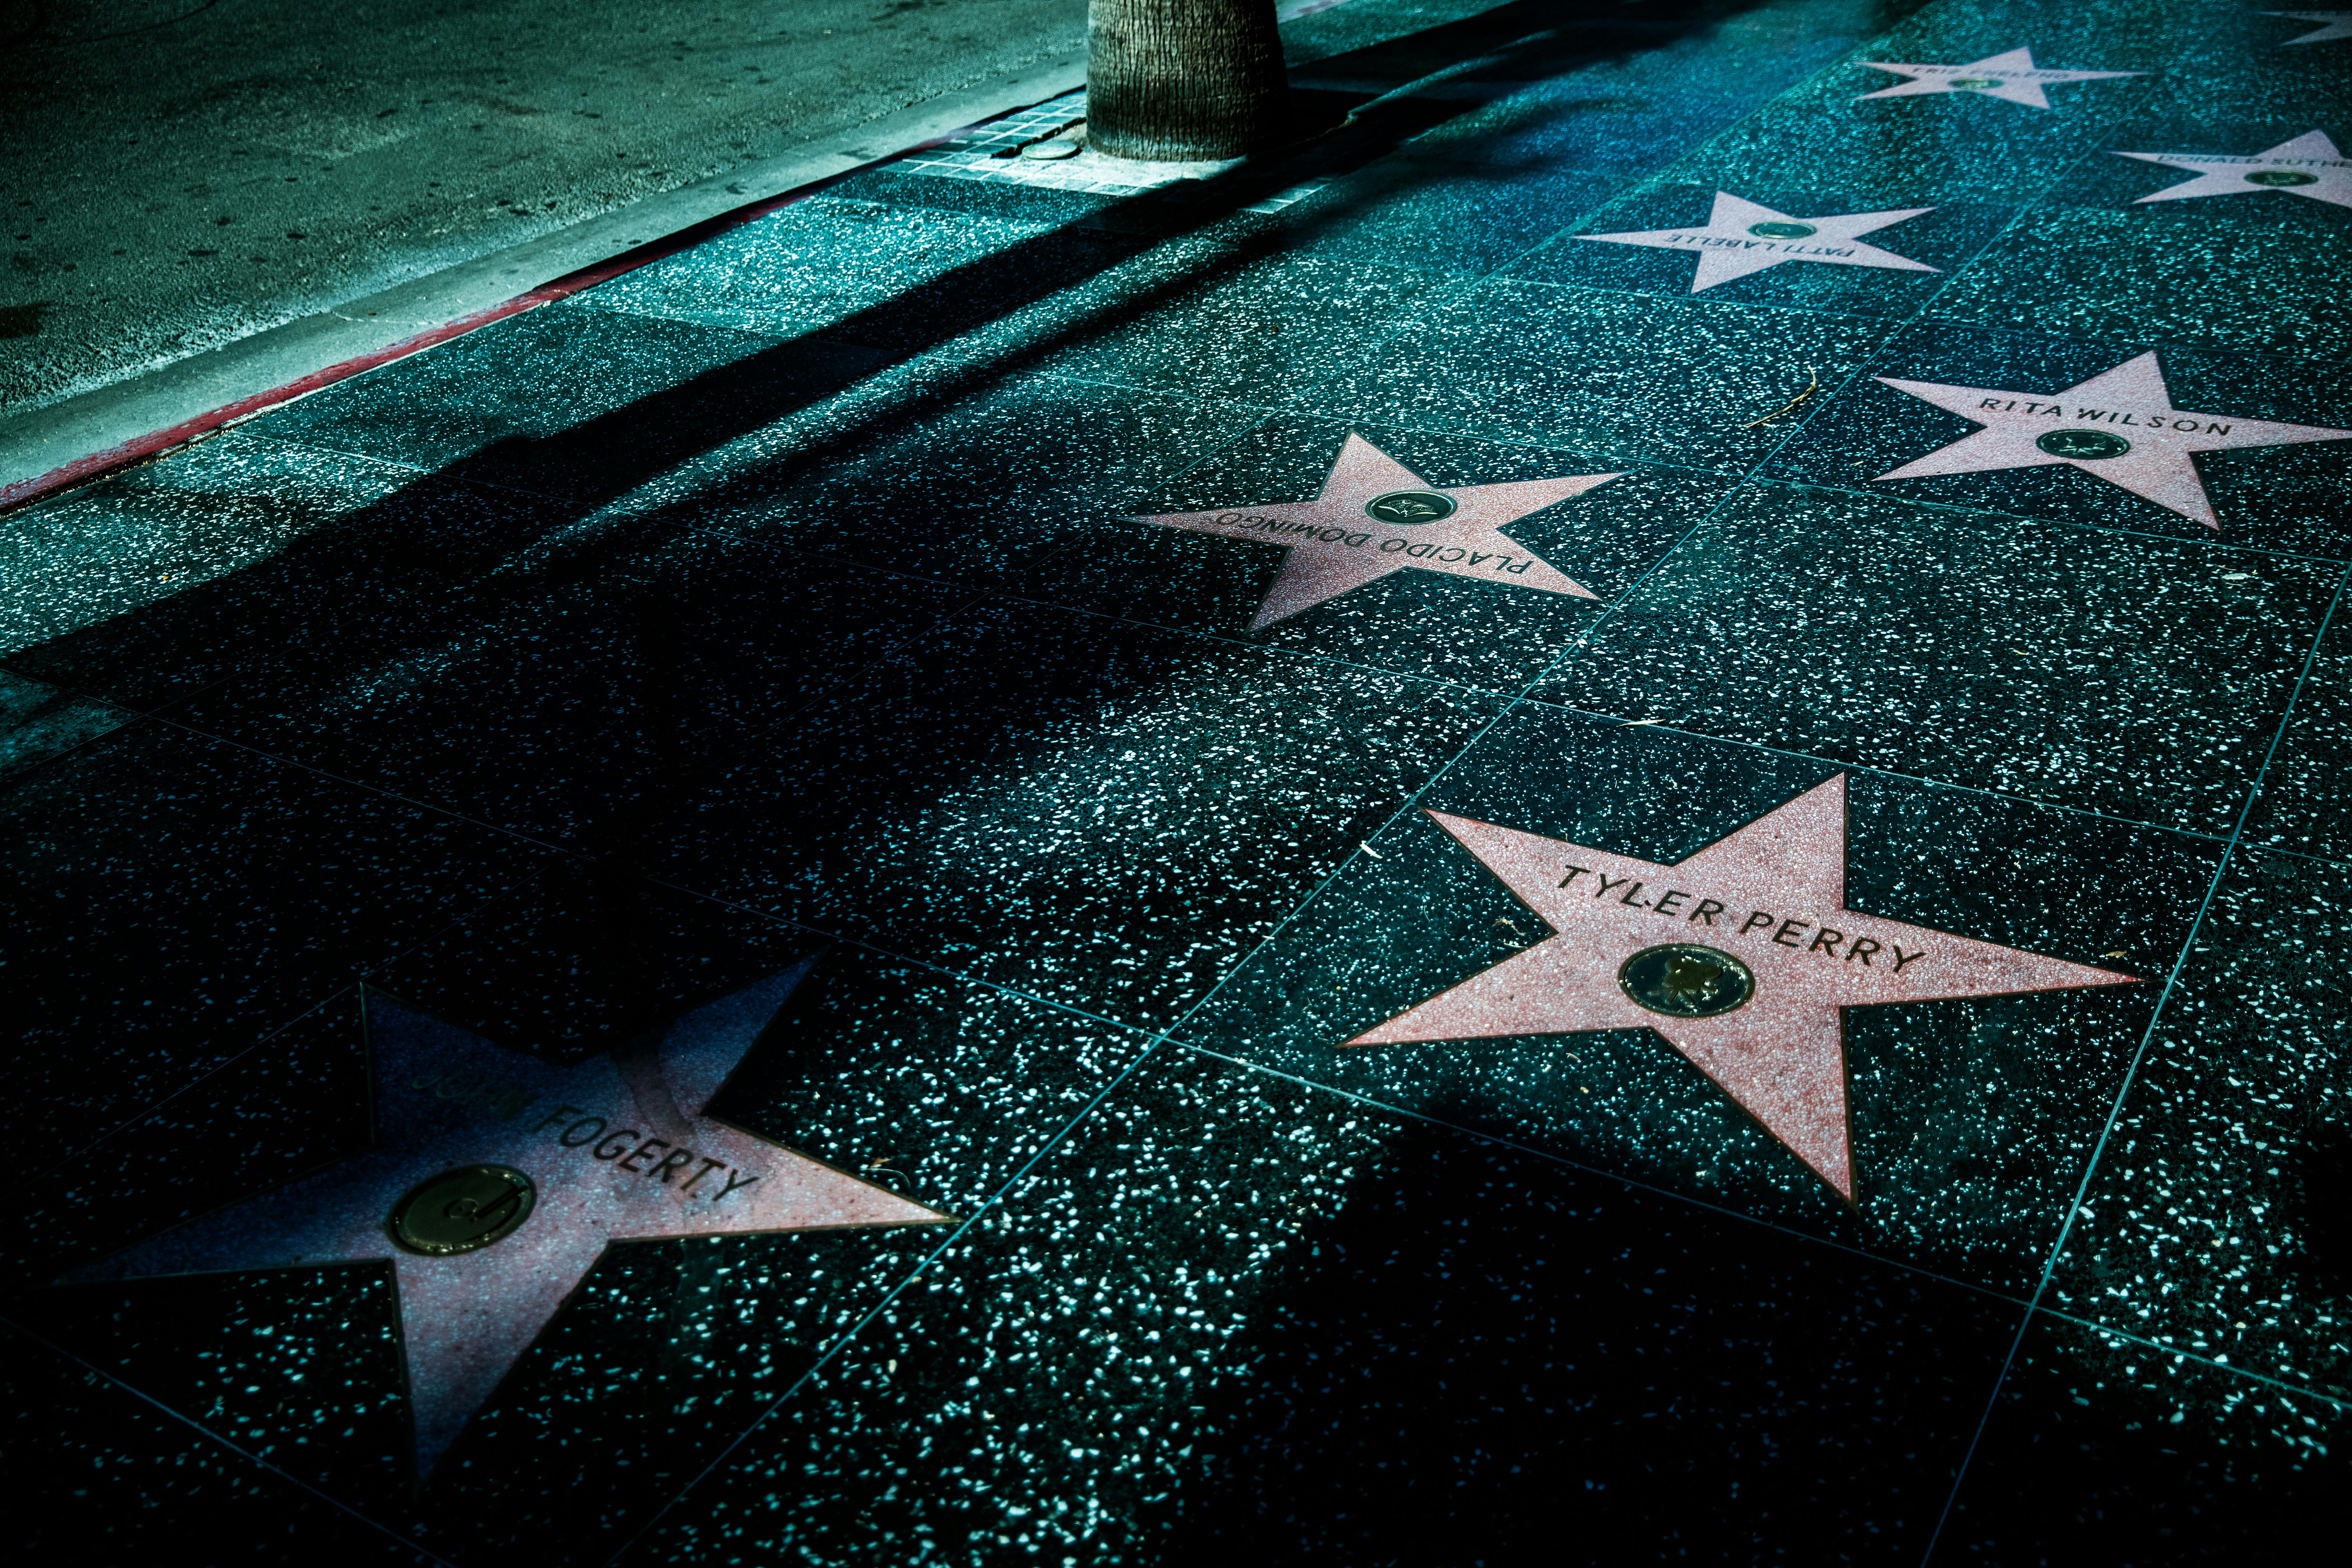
(1685, 981)
(1767, 1025)
(1409, 506)
(463, 1210)
(2028, 429)
(1330, 548)
(2084, 445)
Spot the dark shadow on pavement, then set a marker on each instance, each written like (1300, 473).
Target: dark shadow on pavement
(517, 529)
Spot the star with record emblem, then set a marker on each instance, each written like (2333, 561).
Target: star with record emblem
(2120, 426)
(1375, 516)
(1741, 237)
(2332, 26)
(2307, 166)
(2012, 76)
(498, 1179)
(1743, 956)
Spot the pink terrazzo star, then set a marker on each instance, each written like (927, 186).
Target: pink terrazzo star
(1741, 237)
(1375, 516)
(2307, 166)
(2012, 77)
(1771, 897)
(616, 1149)
(2120, 426)
(2332, 26)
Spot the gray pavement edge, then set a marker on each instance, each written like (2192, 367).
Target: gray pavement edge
(47, 440)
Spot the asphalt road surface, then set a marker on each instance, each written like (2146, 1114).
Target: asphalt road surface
(182, 173)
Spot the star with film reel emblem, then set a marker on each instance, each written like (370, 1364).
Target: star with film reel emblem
(2119, 425)
(1743, 956)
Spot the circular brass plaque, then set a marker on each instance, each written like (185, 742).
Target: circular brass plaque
(1411, 506)
(1781, 229)
(463, 1210)
(1979, 82)
(2089, 445)
(1683, 980)
(2281, 177)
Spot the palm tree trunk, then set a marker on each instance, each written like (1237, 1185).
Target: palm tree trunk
(1183, 78)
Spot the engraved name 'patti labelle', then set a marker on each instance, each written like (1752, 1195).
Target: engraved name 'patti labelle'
(1741, 237)
(2012, 75)
(2120, 426)
(1375, 516)
(1741, 955)
(498, 1179)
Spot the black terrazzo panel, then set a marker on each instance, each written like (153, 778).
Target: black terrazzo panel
(2102, 1447)
(2212, 1228)
(193, 896)
(786, 598)
(1693, 383)
(1104, 816)
(1273, 1323)
(1972, 1119)
(124, 1481)
(1496, 636)
(2282, 498)
(2136, 677)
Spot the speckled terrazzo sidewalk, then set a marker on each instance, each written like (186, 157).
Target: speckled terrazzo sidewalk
(1597, 821)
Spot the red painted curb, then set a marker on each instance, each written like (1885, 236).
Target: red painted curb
(139, 449)
(160, 441)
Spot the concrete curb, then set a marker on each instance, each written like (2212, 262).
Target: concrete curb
(82, 439)
(73, 442)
